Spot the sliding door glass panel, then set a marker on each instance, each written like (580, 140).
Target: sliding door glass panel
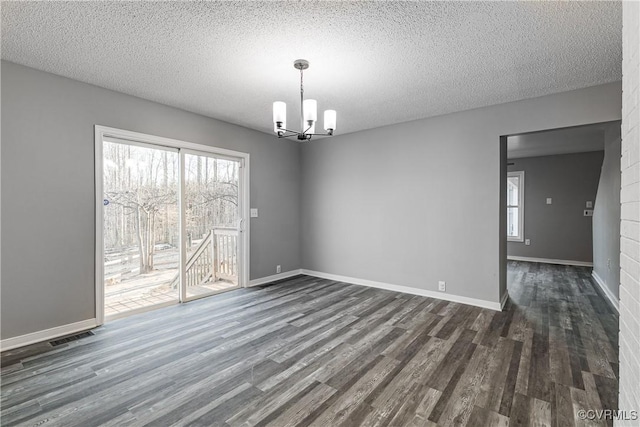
(211, 190)
(140, 228)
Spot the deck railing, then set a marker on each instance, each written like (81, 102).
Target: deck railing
(225, 251)
(215, 258)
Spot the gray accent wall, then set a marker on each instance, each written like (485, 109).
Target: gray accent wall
(418, 202)
(48, 190)
(558, 231)
(606, 215)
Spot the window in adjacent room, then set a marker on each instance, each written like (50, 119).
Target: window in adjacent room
(515, 206)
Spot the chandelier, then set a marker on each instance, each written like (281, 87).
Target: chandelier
(308, 114)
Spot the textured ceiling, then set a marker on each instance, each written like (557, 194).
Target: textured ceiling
(376, 63)
(579, 139)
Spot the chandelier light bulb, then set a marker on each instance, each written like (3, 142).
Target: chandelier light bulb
(279, 113)
(329, 120)
(310, 107)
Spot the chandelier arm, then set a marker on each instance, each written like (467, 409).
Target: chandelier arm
(305, 130)
(287, 136)
(291, 133)
(289, 130)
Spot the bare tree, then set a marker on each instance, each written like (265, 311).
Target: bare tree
(144, 204)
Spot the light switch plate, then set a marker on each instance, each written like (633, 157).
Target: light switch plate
(527, 242)
(589, 205)
(254, 213)
(549, 201)
(588, 212)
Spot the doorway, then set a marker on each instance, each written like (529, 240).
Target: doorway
(567, 211)
(169, 222)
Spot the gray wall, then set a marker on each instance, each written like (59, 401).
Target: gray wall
(606, 215)
(560, 230)
(418, 202)
(48, 190)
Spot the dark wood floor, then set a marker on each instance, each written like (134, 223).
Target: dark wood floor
(313, 352)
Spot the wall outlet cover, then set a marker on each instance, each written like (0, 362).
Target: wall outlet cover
(527, 242)
(278, 269)
(442, 286)
(589, 204)
(549, 200)
(254, 213)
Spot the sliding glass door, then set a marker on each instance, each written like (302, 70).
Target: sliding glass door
(171, 225)
(212, 223)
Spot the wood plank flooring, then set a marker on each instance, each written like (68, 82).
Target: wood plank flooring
(314, 352)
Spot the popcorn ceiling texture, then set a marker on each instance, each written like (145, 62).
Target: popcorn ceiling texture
(376, 63)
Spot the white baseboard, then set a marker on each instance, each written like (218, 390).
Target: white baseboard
(273, 278)
(605, 289)
(406, 289)
(47, 334)
(551, 261)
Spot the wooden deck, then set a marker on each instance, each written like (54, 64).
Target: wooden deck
(118, 305)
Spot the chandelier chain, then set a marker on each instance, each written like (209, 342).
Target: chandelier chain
(302, 127)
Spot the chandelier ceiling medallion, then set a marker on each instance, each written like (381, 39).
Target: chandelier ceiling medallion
(308, 113)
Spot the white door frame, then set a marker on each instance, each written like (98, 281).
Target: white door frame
(136, 137)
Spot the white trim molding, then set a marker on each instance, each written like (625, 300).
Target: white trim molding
(407, 290)
(273, 278)
(551, 261)
(610, 296)
(47, 334)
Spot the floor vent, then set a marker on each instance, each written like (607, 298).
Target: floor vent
(71, 338)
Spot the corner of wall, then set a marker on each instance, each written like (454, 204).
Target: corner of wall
(606, 218)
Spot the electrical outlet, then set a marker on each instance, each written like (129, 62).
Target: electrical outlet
(278, 269)
(549, 200)
(527, 242)
(588, 212)
(609, 264)
(589, 205)
(442, 286)
(254, 213)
